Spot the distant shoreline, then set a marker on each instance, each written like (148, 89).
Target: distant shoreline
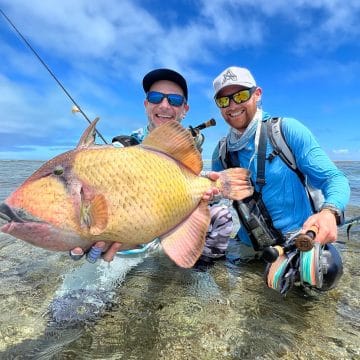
(204, 160)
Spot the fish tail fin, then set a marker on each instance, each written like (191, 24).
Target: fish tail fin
(185, 243)
(234, 183)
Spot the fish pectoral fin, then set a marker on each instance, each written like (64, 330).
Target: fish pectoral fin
(94, 215)
(176, 141)
(234, 184)
(185, 243)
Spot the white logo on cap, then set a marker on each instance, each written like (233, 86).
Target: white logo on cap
(229, 75)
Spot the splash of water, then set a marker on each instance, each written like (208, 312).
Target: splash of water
(88, 291)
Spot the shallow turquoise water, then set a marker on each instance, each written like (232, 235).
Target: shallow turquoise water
(155, 310)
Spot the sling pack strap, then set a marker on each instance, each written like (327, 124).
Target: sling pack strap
(223, 153)
(261, 157)
(281, 147)
(252, 211)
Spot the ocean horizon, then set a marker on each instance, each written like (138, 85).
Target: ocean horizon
(12, 175)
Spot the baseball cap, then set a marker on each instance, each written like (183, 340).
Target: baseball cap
(165, 74)
(234, 75)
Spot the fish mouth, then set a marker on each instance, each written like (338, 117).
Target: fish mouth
(11, 218)
(10, 214)
(24, 226)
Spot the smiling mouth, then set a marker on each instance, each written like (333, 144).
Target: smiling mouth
(161, 116)
(235, 114)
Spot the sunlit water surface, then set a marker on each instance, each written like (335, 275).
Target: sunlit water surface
(147, 308)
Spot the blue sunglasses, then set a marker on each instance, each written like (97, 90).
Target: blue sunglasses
(156, 97)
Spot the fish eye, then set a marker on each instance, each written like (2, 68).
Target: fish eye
(59, 170)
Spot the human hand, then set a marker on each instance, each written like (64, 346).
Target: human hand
(99, 249)
(326, 223)
(212, 192)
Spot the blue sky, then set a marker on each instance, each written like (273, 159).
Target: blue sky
(305, 54)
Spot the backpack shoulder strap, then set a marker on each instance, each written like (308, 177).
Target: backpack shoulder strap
(279, 143)
(228, 159)
(223, 152)
(261, 156)
(281, 147)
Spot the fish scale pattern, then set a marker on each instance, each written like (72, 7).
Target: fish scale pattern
(147, 193)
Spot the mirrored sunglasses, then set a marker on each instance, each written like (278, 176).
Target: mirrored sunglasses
(156, 97)
(239, 97)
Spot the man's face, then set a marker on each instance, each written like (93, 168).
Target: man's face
(236, 115)
(163, 112)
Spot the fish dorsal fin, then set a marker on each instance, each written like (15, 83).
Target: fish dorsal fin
(88, 137)
(94, 214)
(174, 140)
(185, 243)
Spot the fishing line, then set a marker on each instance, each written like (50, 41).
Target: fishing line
(50, 72)
(350, 223)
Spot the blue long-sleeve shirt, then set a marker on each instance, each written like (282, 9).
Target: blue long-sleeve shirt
(283, 194)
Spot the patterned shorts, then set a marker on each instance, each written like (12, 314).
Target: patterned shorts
(219, 231)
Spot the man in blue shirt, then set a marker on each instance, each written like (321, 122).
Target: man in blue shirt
(283, 194)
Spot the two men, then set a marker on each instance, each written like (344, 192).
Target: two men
(281, 194)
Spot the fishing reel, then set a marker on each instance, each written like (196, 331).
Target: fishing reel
(321, 267)
(195, 131)
(302, 242)
(199, 138)
(124, 141)
(302, 261)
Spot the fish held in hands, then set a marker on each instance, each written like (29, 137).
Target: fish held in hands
(130, 195)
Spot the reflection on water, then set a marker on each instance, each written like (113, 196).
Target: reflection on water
(155, 310)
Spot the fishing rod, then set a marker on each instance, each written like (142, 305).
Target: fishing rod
(195, 130)
(126, 140)
(77, 107)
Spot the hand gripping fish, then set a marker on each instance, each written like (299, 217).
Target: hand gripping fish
(131, 195)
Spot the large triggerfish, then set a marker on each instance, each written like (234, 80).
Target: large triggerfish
(130, 195)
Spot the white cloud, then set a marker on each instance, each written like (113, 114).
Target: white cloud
(322, 24)
(101, 50)
(341, 151)
(131, 38)
(26, 106)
